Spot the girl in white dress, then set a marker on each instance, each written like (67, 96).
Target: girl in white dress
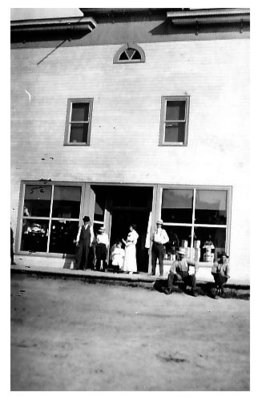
(130, 250)
(117, 256)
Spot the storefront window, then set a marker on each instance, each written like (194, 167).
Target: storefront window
(177, 205)
(214, 236)
(62, 237)
(34, 235)
(66, 202)
(178, 236)
(37, 201)
(195, 219)
(211, 207)
(50, 218)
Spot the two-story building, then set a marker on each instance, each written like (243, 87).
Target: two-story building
(129, 115)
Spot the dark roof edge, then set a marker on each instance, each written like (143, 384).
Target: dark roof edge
(106, 11)
(52, 24)
(212, 15)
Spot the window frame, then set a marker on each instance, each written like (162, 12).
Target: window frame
(48, 218)
(192, 224)
(69, 123)
(134, 46)
(163, 121)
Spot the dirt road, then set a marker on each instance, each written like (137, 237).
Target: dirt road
(71, 335)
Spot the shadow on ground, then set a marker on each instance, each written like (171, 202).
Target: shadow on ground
(205, 289)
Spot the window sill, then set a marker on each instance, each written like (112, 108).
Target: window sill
(76, 144)
(173, 144)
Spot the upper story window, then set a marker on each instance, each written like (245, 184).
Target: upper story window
(174, 120)
(78, 122)
(129, 53)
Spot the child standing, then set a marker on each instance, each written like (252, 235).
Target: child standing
(102, 243)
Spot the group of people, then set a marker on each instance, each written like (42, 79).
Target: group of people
(185, 269)
(124, 260)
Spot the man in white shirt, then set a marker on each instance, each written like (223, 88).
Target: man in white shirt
(102, 244)
(83, 242)
(159, 239)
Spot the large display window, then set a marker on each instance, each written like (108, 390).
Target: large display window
(50, 218)
(197, 219)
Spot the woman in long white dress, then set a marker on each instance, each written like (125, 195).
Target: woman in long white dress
(130, 264)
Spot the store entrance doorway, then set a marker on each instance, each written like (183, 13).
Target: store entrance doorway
(123, 206)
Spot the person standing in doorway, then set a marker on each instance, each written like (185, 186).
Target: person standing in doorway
(130, 264)
(160, 238)
(83, 242)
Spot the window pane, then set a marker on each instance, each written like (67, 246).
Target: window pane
(175, 133)
(79, 133)
(178, 236)
(37, 200)
(136, 55)
(123, 56)
(175, 110)
(211, 207)
(63, 235)
(217, 236)
(67, 200)
(80, 111)
(99, 210)
(130, 53)
(177, 205)
(34, 235)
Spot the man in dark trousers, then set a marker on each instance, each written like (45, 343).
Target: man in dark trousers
(83, 242)
(159, 238)
(183, 269)
(220, 272)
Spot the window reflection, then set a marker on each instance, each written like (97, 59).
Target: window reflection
(66, 202)
(65, 205)
(211, 207)
(177, 205)
(178, 236)
(175, 132)
(80, 112)
(175, 111)
(37, 201)
(215, 236)
(79, 133)
(34, 235)
(63, 236)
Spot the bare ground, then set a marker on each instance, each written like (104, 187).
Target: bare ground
(72, 335)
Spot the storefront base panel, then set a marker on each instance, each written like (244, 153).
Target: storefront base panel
(203, 274)
(41, 261)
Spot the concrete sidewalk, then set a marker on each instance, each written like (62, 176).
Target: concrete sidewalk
(233, 288)
(90, 275)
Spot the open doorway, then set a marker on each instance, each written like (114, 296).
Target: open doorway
(123, 206)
